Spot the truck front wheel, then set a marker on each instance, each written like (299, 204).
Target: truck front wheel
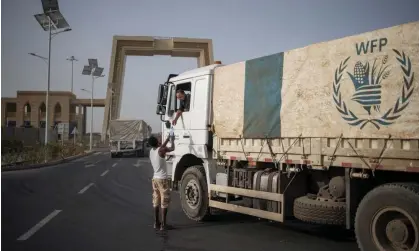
(194, 193)
(388, 218)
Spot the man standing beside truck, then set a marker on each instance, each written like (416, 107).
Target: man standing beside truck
(160, 182)
(184, 104)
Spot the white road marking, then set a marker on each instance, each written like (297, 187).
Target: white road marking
(97, 153)
(89, 164)
(137, 164)
(114, 164)
(140, 162)
(104, 173)
(38, 226)
(85, 188)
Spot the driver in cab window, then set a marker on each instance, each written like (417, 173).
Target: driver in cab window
(183, 104)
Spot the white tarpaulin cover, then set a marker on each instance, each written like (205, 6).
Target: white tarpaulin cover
(364, 86)
(129, 130)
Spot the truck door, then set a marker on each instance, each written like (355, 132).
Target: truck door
(191, 129)
(182, 127)
(201, 111)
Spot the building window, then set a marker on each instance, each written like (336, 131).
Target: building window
(42, 110)
(11, 123)
(27, 123)
(27, 109)
(10, 110)
(10, 107)
(57, 111)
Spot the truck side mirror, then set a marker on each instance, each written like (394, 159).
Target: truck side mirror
(160, 110)
(162, 95)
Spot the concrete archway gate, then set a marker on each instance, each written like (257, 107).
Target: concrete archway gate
(123, 46)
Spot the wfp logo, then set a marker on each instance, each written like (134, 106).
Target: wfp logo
(368, 94)
(367, 81)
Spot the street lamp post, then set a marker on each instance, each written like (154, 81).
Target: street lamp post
(38, 56)
(96, 72)
(91, 116)
(49, 20)
(72, 59)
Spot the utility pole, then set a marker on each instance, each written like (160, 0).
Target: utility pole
(51, 19)
(95, 72)
(72, 59)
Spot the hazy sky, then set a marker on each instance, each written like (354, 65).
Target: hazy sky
(240, 30)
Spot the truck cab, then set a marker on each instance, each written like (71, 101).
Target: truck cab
(193, 138)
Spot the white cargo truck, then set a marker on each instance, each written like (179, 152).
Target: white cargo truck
(327, 134)
(128, 136)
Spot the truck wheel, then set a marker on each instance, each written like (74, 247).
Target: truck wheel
(194, 193)
(311, 210)
(388, 218)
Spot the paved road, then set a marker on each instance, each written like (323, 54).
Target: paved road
(99, 203)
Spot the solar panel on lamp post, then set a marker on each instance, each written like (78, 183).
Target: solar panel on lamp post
(96, 72)
(49, 20)
(93, 63)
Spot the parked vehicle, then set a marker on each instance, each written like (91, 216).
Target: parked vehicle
(128, 136)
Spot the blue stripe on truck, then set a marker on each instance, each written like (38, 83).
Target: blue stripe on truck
(262, 97)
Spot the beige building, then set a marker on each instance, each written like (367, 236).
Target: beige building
(28, 109)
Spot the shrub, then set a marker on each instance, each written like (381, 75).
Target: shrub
(11, 146)
(14, 152)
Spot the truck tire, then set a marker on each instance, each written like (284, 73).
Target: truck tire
(194, 193)
(311, 210)
(388, 216)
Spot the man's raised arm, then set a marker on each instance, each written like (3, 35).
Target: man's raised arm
(166, 141)
(178, 113)
(164, 149)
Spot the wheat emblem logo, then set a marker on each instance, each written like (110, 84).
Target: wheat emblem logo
(367, 82)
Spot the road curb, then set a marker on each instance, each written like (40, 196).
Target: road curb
(51, 163)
